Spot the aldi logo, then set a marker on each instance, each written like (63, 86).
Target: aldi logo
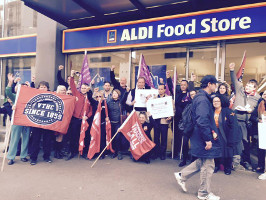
(111, 36)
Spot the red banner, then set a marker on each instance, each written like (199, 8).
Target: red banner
(83, 129)
(43, 109)
(134, 133)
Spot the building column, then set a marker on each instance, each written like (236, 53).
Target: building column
(48, 50)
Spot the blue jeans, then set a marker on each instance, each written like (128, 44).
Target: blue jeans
(18, 132)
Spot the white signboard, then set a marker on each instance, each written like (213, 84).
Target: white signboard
(140, 96)
(262, 135)
(160, 107)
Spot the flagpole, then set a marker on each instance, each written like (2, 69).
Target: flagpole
(173, 134)
(9, 130)
(118, 130)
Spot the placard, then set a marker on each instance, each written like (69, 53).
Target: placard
(262, 135)
(160, 107)
(140, 96)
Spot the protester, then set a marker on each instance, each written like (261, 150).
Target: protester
(77, 115)
(204, 141)
(223, 89)
(37, 133)
(60, 80)
(61, 89)
(182, 99)
(226, 123)
(256, 117)
(161, 130)
(17, 131)
(246, 100)
(131, 96)
(107, 92)
(119, 143)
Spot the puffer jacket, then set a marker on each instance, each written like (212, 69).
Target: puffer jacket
(203, 120)
(114, 110)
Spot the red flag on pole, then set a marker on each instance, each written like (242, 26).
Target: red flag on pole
(240, 72)
(44, 109)
(108, 130)
(95, 133)
(134, 133)
(144, 71)
(84, 128)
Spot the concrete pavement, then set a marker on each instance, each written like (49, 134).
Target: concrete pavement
(112, 179)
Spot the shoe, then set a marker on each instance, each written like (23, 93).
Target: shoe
(33, 162)
(48, 160)
(182, 164)
(247, 166)
(227, 171)
(147, 161)
(114, 155)
(70, 156)
(10, 162)
(216, 169)
(210, 196)
(24, 159)
(163, 157)
(180, 182)
(260, 170)
(262, 176)
(120, 156)
(102, 157)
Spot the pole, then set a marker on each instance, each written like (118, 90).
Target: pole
(9, 132)
(181, 150)
(104, 149)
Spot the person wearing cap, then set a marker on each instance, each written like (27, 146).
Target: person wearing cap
(246, 99)
(205, 143)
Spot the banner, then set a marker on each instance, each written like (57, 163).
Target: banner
(99, 75)
(160, 107)
(84, 127)
(144, 71)
(44, 109)
(134, 133)
(240, 72)
(141, 96)
(85, 76)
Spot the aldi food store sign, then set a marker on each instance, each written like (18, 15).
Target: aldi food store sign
(226, 23)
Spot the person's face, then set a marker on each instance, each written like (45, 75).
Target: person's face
(106, 87)
(183, 86)
(216, 102)
(43, 87)
(62, 91)
(264, 95)
(222, 89)
(123, 82)
(161, 90)
(142, 118)
(212, 87)
(115, 95)
(141, 83)
(98, 96)
(249, 88)
(192, 94)
(69, 92)
(83, 89)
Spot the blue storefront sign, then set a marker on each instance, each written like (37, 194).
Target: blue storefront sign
(226, 23)
(18, 46)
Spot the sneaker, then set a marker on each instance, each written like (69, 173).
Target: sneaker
(33, 162)
(10, 162)
(210, 196)
(262, 176)
(48, 160)
(238, 168)
(180, 182)
(247, 166)
(24, 159)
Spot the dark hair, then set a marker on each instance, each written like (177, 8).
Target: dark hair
(86, 84)
(44, 83)
(107, 82)
(163, 85)
(203, 85)
(253, 81)
(185, 81)
(223, 99)
(226, 87)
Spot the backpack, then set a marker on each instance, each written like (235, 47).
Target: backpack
(186, 123)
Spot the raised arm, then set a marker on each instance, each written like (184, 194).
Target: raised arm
(115, 83)
(9, 92)
(234, 80)
(60, 80)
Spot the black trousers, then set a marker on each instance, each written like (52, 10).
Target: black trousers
(261, 158)
(185, 148)
(103, 136)
(227, 162)
(160, 139)
(177, 138)
(120, 143)
(87, 138)
(47, 135)
(74, 135)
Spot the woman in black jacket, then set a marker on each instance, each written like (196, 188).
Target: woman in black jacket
(226, 124)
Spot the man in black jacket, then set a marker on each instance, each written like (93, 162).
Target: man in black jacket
(204, 141)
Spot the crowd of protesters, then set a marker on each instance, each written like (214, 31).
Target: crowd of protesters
(220, 132)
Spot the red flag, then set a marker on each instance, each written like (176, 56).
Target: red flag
(108, 130)
(240, 72)
(84, 128)
(144, 71)
(95, 133)
(43, 109)
(134, 133)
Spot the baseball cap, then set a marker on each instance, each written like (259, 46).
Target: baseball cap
(208, 79)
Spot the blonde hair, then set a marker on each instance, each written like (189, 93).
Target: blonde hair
(60, 87)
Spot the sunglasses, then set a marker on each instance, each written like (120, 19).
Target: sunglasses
(69, 93)
(98, 96)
